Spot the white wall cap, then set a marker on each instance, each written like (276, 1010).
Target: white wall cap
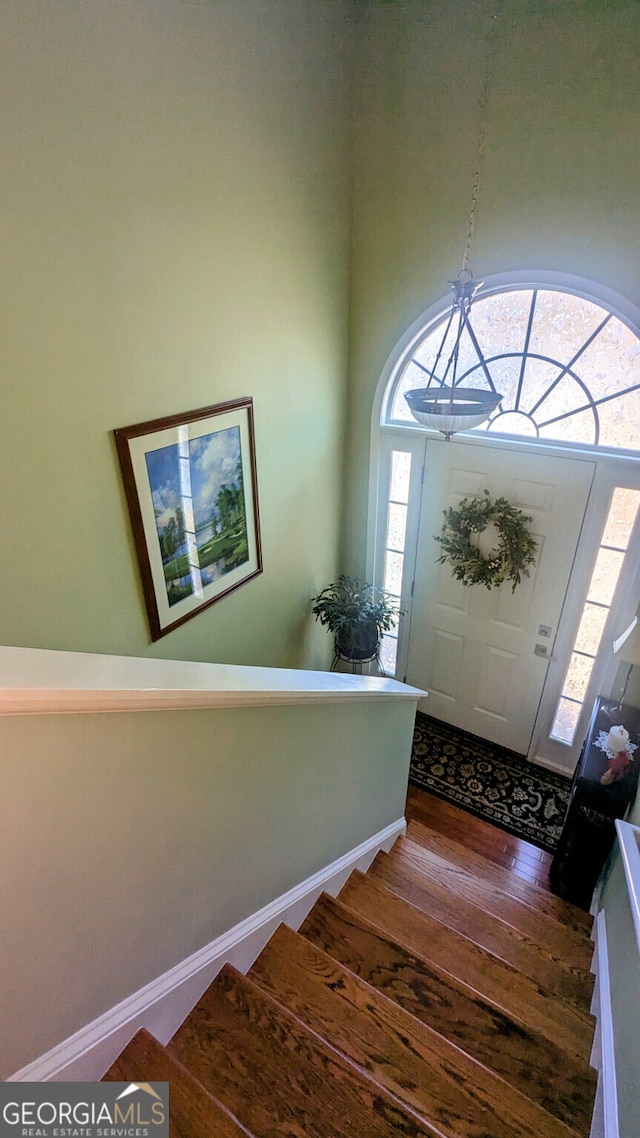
(39, 680)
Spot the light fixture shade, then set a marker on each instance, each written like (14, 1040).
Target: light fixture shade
(449, 409)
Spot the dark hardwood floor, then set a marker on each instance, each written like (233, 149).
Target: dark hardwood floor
(442, 994)
(520, 857)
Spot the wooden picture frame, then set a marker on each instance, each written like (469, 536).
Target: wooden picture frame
(191, 486)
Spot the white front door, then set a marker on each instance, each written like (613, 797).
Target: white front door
(483, 654)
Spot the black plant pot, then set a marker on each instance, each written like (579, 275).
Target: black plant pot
(358, 643)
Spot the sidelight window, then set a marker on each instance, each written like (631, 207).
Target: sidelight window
(615, 540)
(394, 550)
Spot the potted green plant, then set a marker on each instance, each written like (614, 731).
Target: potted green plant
(357, 614)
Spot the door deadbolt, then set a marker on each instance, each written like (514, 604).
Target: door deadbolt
(543, 650)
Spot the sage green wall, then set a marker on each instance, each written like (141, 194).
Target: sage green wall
(559, 188)
(131, 841)
(175, 232)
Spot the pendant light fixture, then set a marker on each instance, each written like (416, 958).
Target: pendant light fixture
(444, 404)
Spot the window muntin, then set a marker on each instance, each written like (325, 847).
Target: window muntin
(569, 369)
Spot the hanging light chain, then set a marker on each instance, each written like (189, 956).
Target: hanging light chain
(483, 102)
(452, 407)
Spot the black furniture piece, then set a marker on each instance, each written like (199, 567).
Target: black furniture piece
(588, 831)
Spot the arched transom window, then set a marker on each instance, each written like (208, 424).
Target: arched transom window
(567, 367)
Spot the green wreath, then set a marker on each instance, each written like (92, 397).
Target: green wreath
(516, 548)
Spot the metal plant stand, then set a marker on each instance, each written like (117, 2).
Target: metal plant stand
(356, 665)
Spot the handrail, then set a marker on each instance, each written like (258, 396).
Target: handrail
(39, 680)
(629, 842)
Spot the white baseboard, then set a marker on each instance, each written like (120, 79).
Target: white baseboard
(604, 1123)
(162, 1005)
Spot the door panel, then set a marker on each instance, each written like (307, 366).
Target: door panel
(473, 649)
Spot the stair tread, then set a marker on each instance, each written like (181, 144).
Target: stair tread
(420, 1067)
(276, 1076)
(193, 1112)
(472, 920)
(556, 1079)
(532, 895)
(563, 942)
(492, 977)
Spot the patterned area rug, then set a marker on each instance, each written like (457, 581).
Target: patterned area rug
(494, 784)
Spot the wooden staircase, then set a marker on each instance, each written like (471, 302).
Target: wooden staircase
(439, 995)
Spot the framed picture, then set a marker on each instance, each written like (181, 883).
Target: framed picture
(191, 487)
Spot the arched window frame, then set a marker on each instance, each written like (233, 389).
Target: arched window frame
(590, 291)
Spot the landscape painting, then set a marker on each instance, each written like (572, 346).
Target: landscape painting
(191, 486)
(199, 510)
